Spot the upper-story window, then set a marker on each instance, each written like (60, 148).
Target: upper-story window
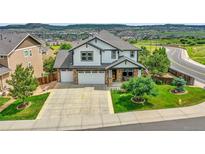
(27, 53)
(86, 55)
(132, 54)
(113, 54)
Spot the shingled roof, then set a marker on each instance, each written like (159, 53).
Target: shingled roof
(63, 59)
(115, 41)
(108, 38)
(10, 41)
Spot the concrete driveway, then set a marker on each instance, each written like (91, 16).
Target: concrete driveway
(67, 100)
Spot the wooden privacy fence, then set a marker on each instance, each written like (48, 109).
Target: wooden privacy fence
(189, 79)
(163, 80)
(47, 79)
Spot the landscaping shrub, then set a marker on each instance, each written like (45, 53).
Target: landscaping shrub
(179, 83)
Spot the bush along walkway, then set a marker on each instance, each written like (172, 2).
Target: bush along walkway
(79, 122)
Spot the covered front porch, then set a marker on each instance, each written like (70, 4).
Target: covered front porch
(121, 74)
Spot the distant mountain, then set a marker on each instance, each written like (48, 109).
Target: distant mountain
(73, 26)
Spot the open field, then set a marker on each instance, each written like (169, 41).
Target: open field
(195, 51)
(164, 99)
(11, 113)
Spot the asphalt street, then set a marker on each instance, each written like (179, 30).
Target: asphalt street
(192, 124)
(196, 71)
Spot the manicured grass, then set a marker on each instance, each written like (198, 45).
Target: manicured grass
(3, 100)
(11, 113)
(164, 99)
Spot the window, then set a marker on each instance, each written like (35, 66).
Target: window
(27, 53)
(86, 56)
(132, 54)
(113, 54)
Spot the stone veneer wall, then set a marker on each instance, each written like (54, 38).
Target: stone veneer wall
(108, 81)
(75, 76)
(58, 75)
(135, 72)
(119, 74)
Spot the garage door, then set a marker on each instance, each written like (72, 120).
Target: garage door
(91, 77)
(66, 76)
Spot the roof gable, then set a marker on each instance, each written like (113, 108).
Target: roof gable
(109, 39)
(11, 41)
(125, 62)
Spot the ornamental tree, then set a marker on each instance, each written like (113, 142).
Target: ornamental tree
(179, 83)
(139, 87)
(22, 83)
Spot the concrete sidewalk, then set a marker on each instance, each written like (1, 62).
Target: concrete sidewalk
(79, 122)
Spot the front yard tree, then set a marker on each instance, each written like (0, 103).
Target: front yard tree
(139, 87)
(144, 55)
(65, 46)
(158, 63)
(22, 83)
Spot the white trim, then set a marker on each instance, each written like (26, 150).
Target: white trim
(27, 47)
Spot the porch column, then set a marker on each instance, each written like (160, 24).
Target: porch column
(135, 72)
(139, 72)
(108, 77)
(119, 74)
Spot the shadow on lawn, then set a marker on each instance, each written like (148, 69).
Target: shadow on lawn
(124, 102)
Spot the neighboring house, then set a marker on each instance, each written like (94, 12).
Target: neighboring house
(19, 48)
(100, 59)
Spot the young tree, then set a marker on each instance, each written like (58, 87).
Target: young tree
(22, 83)
(144, 55)
(48, 65)
(139, 87)
(179, 83)
(158, 63)
(65, 46)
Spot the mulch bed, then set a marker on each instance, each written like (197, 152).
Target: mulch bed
(23, 106)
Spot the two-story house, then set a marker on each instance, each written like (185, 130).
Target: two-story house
(19, 48)
(100, 59)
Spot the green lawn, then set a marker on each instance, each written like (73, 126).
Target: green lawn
(55, 47)
(11, 113)
(197, 53)
(164, 99)
(3, 100)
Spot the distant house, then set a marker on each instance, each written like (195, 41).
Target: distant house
(100, 59)
(19, 48)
